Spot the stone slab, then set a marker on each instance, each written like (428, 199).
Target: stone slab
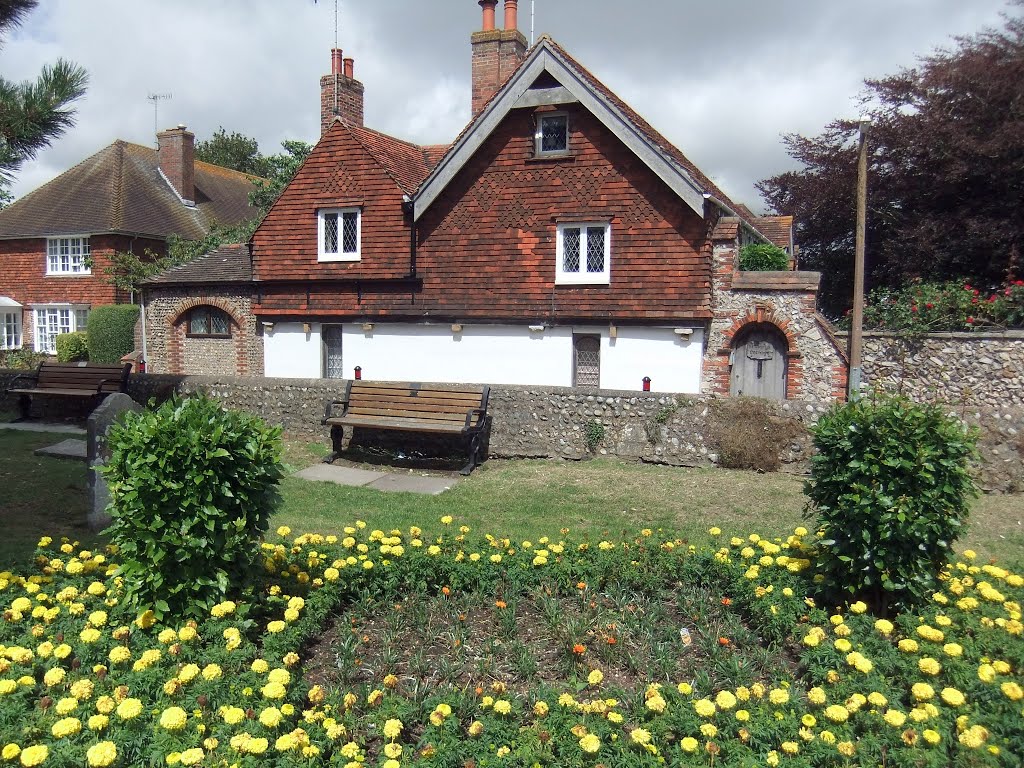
(330, 473)
(65, 449)
(431, 485)
(34, 426)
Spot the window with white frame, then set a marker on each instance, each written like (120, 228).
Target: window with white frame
(583, 254)
(10, 329)
(51, 322)
(552, 134)
(68, 256)
(339, 234)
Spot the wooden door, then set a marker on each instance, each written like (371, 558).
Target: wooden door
(759, 363)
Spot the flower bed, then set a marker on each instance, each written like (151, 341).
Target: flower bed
(398, 649)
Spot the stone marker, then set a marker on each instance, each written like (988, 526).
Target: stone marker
(97, 427)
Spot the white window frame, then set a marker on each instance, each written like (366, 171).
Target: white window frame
(539, 135)
(11, 328)
(43, 340)
(582, 276)
(68, 256)
(321, 231)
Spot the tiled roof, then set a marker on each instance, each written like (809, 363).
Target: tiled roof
(120, 189)
(407, 163)
(227, 264)
(726, 228)
(778, 229)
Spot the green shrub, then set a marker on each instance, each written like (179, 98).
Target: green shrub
(949, 306)
(72, 347)
(890, 487)
(111, 332)
(22, 359)
(192, 486)
(593, 434)
(762, 257)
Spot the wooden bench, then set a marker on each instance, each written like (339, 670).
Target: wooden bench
(76, 380)
(411, 407)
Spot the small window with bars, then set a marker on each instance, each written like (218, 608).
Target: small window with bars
(586, 363)
(209, 321)
(552, 134)
(339, 234)
(583, 254)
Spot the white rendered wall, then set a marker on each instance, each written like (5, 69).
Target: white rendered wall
(291, 353)
(490, 354)
(673, 362)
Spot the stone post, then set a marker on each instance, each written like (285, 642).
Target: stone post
(97, 453)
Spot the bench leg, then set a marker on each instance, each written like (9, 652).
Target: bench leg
(337, 438)
(25, 406)
(474, 450)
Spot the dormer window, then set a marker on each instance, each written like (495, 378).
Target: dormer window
(552, 134)
(338, 233)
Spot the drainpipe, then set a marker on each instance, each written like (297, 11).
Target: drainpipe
(142, 307)
(407, 208)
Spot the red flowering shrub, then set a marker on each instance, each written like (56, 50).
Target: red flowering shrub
(951, 306)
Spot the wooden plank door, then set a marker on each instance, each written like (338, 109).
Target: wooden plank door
(759, 364)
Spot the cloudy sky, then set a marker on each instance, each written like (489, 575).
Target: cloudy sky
(722, 80)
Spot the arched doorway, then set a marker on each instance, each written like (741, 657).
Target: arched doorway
(759, 362)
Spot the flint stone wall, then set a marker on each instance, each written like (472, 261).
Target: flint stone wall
(976, 370)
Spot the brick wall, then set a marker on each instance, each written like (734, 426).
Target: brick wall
(349, 100)
(496, 55)
(24, 277)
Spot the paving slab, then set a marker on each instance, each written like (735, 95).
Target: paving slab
(33, 426)
(330, 473)
(431, 485)
(65, 449)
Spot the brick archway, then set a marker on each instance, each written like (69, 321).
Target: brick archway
(177, 334)
(762, 314)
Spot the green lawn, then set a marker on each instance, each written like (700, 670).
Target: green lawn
(523, 499)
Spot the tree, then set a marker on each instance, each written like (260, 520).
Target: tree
(234, 151)
(33, 114)
(281, 169)
(946, 174)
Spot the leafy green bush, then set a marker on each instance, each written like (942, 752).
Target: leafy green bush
(890, 487)
(72, 347)
(949, 306)
(191, 488)
(21, 359)
(111, 332)
(763, 257)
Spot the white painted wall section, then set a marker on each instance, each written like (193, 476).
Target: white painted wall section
(490, 354)
(289, 352)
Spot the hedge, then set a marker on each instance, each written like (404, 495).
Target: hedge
(111, 332)
(72, 347)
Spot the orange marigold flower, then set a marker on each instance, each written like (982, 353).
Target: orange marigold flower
(724, 641)
(579, 649)
(501, 604)
(726, 601)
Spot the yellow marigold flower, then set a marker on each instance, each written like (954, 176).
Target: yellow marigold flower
(894, 717)
(953, 649)
(590, 743)
(685, 688)
(708, 730)
(837, 713)
(284, 531)
(846, 748)
(475, 728)
(922, 691)
(952, 697)
(101, 755)
(974, 736)
(1012, 691)
(65, 727)
(393, 728)
(276, 626)
(10, 751)
(876, 699)
(212, 672)
(778, 696)
(790, 747)
(843, 645)
(704, 707)
(656, 703)
(98, 722)
(144, 620)
(929, 666)
(742, 715)
(502, 707)
(119, 654)
(270, 717)
(65, 705)
(540, 709)
(173, 719)
(1001, 667)
(193, 756)
(816, 696)
(640, 736)
(931, 736)
(884, 626)
(187, 634)
(595, 677)
(907, 645)
(273, 691)
(54, 676)
(34, 755)
(859, 607)
(725, 700)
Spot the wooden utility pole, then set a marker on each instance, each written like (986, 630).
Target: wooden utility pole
(857, 324)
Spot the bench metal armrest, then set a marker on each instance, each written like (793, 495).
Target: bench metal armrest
(34, 376)
(473, 411)
(103, 382)
(329, 410)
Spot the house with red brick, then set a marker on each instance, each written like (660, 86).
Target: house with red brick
(558, 240)
(56, 241)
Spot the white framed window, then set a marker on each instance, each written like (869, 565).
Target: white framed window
(583, 253)
(552, 133)
(10, 329)
(68, 256)
(52, 321)
(339, 234)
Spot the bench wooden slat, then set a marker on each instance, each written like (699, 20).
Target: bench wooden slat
(406, 425)
(408, 413)
(421, 394)
(416, 402)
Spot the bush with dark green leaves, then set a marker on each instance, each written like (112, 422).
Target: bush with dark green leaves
(111, 331)
(192, 487)
(890, 488)
(72, 347)
(762, 257)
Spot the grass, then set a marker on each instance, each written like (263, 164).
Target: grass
(527, 499)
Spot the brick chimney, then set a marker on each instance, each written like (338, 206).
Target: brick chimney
(341, 95)
(496, 52)
(176, 158)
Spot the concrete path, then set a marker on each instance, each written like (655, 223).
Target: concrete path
(65, 449)
(378, 480)
(38, 426)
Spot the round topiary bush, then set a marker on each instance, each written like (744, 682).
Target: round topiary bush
(890, 488)
(192, 487)
(72, 347)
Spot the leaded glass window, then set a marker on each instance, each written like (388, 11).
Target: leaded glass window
(552, 134)
(571, 249)
(209, 321)
(583, 254)
(587, 361)
(339, 233)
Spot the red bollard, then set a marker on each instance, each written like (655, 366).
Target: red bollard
(359, 372)
(647, 383)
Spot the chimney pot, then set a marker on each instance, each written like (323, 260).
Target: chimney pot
(336, 61)
(511, 14)
(488, 6)
(350, 67)
(341, 95)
